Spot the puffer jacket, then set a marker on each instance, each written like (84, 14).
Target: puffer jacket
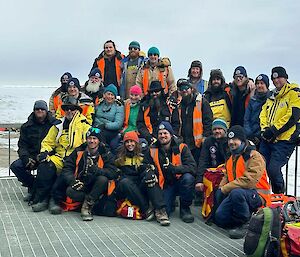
(281, 113)
(251, 118)
(61, 142)
(109, 115)
(31, 135)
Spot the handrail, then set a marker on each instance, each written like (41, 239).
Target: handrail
(15, 126)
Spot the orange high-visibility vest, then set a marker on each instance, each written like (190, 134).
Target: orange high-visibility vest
(111, 183)
(147, 120)
(56, 102)
(176, 161)
(198, 124)
(160, 78)
(127, 113)
(237, 170)
(101, 67)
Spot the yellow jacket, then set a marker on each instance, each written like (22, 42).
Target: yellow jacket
(62, 142)
(282, 111)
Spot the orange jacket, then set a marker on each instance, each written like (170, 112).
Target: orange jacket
(240, 169)
(176, 161)
(146, 81)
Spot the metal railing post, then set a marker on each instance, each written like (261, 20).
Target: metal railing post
(296, 167)
(286, 177)
(9, 152)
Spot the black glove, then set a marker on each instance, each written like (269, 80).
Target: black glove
(269, 134)
(78, 185)
(150, 179)
(42, 157)
(254, 140)
(172, 169)
(30, 164)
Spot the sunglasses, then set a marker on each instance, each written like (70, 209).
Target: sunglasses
(93, 130)
(39, 109)
(133, 48)
(184, 88)
(155, 91)
(240, 77)
(152, 54)
(70, 108)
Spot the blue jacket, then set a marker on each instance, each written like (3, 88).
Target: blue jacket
(112, 116)
(124, 64)
(251, 118)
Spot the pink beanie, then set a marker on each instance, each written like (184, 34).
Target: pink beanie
(136, 90)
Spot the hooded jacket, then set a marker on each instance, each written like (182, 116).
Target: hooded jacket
(281, 113)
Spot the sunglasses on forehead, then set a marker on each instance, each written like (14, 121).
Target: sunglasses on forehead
(93, 130)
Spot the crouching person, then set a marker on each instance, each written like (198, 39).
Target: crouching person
(244, 188)
(88, 174)
(173, 175)
(59, 143)
(129, 161)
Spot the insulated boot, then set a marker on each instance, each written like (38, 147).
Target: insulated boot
(40, 206)
(54, 208)
(149, 214)
(28, 197)
(86, 209)
(238, 232)
(186, 215)
(162, 217)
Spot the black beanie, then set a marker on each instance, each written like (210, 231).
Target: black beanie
(279, 72)
(237, 131)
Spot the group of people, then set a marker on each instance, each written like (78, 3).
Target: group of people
(132, 132)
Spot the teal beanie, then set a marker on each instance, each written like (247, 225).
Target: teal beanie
(111, 88)
(153, 50)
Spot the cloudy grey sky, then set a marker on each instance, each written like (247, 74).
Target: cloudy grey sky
(40, 40)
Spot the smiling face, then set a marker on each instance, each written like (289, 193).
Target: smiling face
(153, 59)
(234, 143)
(261, 87)
(109, 97)
(92, 142)
(164, 137)
(109, 49)
(218, 133)
(196, 72)
(279, 82)
(239, 80)
(134, 98)
(134, 52)
(130, 145)
(73, 91)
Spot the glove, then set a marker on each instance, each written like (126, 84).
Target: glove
(78, 185)
(269, 135)
(42, 157)
(255, 140)
(30, 164)
(153, 140)
(150, 179)
(172, 169)
(166, 165)
(172, 102)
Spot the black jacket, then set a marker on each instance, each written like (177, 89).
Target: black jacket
(188, 164)
(213, 153)
(109, 169)
(187, 120)
(31, 135)
(156, 118)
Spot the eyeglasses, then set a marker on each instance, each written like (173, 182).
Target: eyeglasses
(240, 77)
(133, 48)
(152, 54)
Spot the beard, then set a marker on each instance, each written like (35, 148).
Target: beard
(93, 87)
(216, 88)
(155, 102)
(187, 99)
(64, 87)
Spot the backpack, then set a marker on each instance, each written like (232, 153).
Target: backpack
(264, 233)
(290, 239)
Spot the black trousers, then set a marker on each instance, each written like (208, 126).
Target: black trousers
(131, 189)
(46, 176)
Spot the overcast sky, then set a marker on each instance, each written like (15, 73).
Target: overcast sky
(40, 40)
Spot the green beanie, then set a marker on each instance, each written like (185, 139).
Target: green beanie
(111, 88)
(153, 50)
(135, 44)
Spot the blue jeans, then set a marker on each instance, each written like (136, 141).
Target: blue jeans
(236, 208)
(184, 187)
(276, 156)
(23, 175)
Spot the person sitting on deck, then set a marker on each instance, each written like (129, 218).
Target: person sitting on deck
(59, 143)
(173, 174)
(88, 173)
(244, 187)
(31, 135)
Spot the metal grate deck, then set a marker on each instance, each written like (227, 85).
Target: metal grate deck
(24, 233)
